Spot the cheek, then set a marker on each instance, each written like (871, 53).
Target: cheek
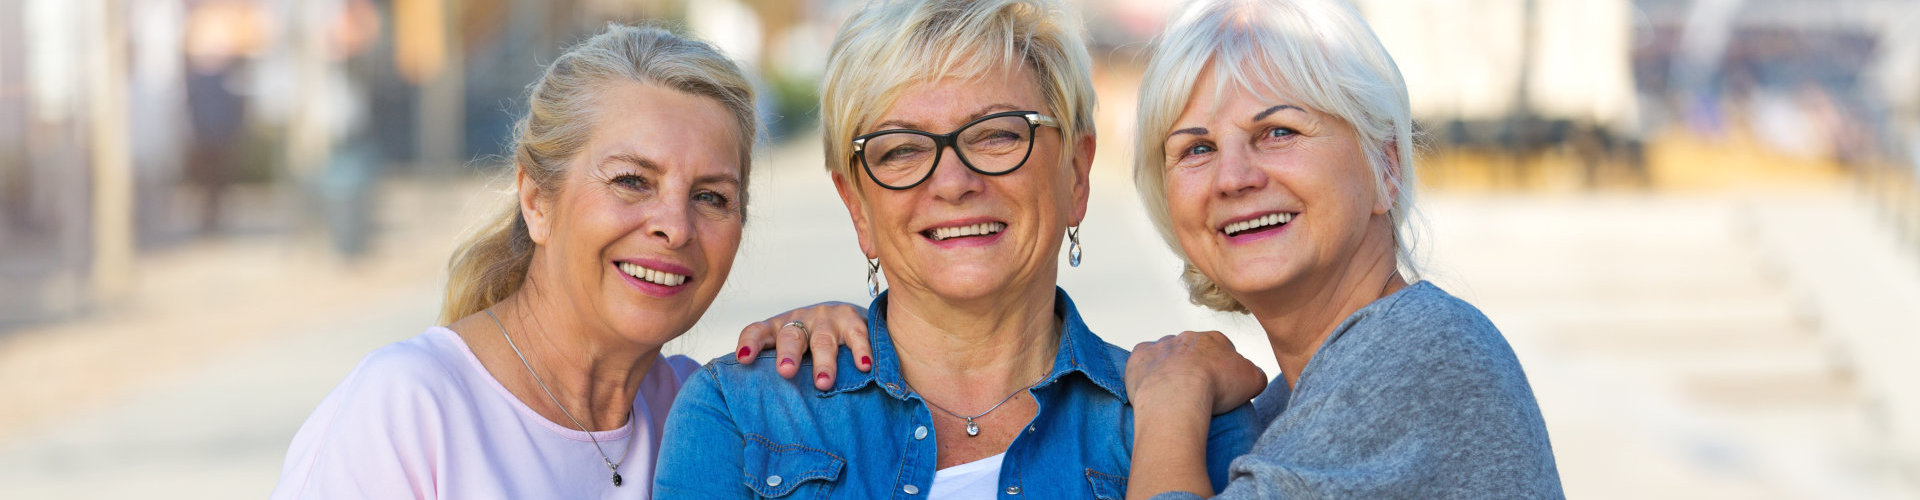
(1187, 202)
(723, 240)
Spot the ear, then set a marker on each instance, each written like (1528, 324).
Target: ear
(1082, 176)
(533, 206)
(856, 208)
(1383, 204)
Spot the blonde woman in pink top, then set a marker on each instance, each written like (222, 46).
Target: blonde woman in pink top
(631, 170)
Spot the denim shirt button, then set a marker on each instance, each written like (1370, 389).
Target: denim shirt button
(910, 489)
(773, 480)
(920, 432)
(1029, 429)
(1013, 490)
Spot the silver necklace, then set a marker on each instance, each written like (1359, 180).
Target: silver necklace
(973, 429)
(611, 465)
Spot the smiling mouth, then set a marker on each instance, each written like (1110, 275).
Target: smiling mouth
(1258, 224)
(971, 230)
(654, 276)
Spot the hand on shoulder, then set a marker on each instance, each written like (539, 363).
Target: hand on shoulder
(1193, 368)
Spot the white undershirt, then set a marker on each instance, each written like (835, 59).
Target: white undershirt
(979, 479)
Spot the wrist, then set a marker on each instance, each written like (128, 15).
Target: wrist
(1171, 393)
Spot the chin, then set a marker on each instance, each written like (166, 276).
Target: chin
(966, 288)
(655, 326)
(1255, 276)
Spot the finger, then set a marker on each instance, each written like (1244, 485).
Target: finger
(855, 337)
(788, 344)
(754, 338)
(826, 356)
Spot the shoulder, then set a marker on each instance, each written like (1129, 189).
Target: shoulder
(728, 382)
(682, 365)
(1423, 368)
(1427, 336)
(378, 426)
(429, 364)
(1424, 361)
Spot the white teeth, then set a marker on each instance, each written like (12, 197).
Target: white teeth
(1264, 221)
(972, 230)
(652, 276)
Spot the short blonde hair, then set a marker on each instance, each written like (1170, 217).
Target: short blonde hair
(890, 44)
(492, 263)
(1318, 52)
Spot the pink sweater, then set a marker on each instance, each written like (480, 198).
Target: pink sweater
(421, 418)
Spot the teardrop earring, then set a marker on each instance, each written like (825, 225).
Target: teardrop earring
(873, 278)
(1073, 251)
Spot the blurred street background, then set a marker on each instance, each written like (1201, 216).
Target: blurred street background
(1697, 221)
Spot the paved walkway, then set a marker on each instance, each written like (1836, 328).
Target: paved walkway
(1681, 345)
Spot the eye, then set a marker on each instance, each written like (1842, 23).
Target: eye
(631, 181)
(902, 153)
(713, 199)
(1189, 155)
(1279, 133)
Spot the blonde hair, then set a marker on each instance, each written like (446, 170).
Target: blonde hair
(1319, 52)
(891, 44)
(492, 263)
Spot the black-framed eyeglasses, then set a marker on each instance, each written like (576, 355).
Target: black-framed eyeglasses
(995, 144)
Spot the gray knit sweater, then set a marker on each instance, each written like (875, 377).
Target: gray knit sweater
(1414, 396)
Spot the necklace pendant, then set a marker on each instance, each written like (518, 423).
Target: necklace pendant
(973, 429)
(616, 479)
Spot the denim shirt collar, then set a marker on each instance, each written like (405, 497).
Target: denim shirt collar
(1080, 352)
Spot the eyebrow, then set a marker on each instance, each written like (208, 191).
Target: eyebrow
(1263, 114)
(650, 166)
(633, 159)
(1201, 131)
(977, 113)
(730, 180)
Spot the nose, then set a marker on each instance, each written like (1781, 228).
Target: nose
(951, 180)
(1237, 174)
(667, 219)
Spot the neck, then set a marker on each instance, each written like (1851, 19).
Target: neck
(1299, 316)
(970, 356)
(592, 371)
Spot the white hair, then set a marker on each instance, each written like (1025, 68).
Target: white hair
(1318, 53)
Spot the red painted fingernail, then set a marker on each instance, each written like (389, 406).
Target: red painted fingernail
(786, 361)
(820, 376)
(745, 351)
(865, 361)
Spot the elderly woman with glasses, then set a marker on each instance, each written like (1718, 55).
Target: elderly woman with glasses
(958, 134)
(1277, 159)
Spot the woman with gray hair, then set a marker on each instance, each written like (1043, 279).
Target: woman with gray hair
(1276, 157)
(547, 381)
(959, 135)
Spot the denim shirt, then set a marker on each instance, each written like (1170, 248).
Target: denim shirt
(742, 431)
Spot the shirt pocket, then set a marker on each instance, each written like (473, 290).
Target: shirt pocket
(774, 470)
(1106, 486)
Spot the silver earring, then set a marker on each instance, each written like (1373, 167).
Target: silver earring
(1073, 251)
(873, 278)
